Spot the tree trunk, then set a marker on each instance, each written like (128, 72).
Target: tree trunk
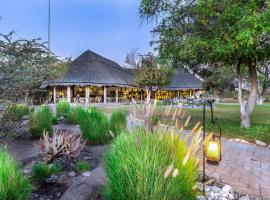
(246, 107)
(260, 100)
(148, 95)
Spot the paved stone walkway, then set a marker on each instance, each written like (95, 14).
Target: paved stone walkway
(246, 167)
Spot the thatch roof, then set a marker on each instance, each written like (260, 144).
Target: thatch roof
(183, 79)
(93, 69)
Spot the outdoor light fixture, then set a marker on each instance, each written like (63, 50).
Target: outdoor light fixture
(211, 145)
(213, 150)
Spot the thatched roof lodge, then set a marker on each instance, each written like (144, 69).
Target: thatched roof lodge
(94, 78)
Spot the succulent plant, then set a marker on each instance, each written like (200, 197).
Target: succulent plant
(61, 143)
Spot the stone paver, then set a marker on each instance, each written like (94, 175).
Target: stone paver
(246, 167)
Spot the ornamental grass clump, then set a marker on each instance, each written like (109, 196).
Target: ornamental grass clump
(82, 166)
(12, 183)
(155, 163)
(41, 171)
(118, 122)
(72, 115)
(40, 121)
(62, 108)
(94, 125)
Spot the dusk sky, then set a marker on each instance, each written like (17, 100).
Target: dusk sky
(109, 27)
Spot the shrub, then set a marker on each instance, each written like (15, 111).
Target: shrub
(21, 110)
(72, 115)
(41, 121)
(118, 122)
(94, 125)
(141, 165)
(41, 170)
(82, 166)
(19, 188)
(62, 108)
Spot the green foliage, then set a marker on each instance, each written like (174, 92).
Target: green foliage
(150, 74)
(72, 115)
(11, 116)
(94, 125)
(41, 170)
(118, 122)
(25, 64)
(41, 121)
(82, 166)
(13, 185)
(137, 163)
(20, 111)
(54, 119)
(62, 108)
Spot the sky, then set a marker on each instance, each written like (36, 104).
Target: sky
(108, 27)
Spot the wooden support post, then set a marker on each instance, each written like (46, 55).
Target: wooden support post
(190, 91)
(68, 94)
(105, 94)
(87, 94)
(54, 94)
(116, 95)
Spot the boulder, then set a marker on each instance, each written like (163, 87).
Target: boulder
(260, 143)
(86, 188)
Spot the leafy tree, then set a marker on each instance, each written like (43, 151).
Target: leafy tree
(148, 72)
(234, 33)
(24, 65)
(219, 79)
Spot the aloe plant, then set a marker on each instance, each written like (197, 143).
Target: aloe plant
(61, 143)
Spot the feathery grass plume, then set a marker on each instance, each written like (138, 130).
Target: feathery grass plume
(145, 170)
(168, 171)
(168, 132)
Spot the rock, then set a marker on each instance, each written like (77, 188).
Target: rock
(84, 188)
(227, 189)
(268, 146)
(214, 189)
(51, 179)
(71, 174)
(200, 197)
(230, 196)
(260, 143)
(86, 174)
(87, 157)
(246, 197)
(27, 171)
(58, 194)
(199, 186)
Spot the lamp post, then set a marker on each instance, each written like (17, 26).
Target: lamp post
(211, 148)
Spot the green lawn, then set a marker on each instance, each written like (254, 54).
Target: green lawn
(229, 119)
(228, 116)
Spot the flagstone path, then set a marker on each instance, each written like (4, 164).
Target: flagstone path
(246, 167)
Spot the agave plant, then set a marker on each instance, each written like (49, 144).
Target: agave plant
(61, 143)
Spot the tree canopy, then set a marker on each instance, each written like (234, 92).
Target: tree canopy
(204, 33)
(24, 65)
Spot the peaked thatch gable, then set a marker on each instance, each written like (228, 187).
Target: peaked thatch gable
(93, 69)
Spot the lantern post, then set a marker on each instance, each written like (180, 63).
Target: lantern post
(211, 149)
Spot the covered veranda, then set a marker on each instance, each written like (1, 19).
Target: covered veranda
(95, 94)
